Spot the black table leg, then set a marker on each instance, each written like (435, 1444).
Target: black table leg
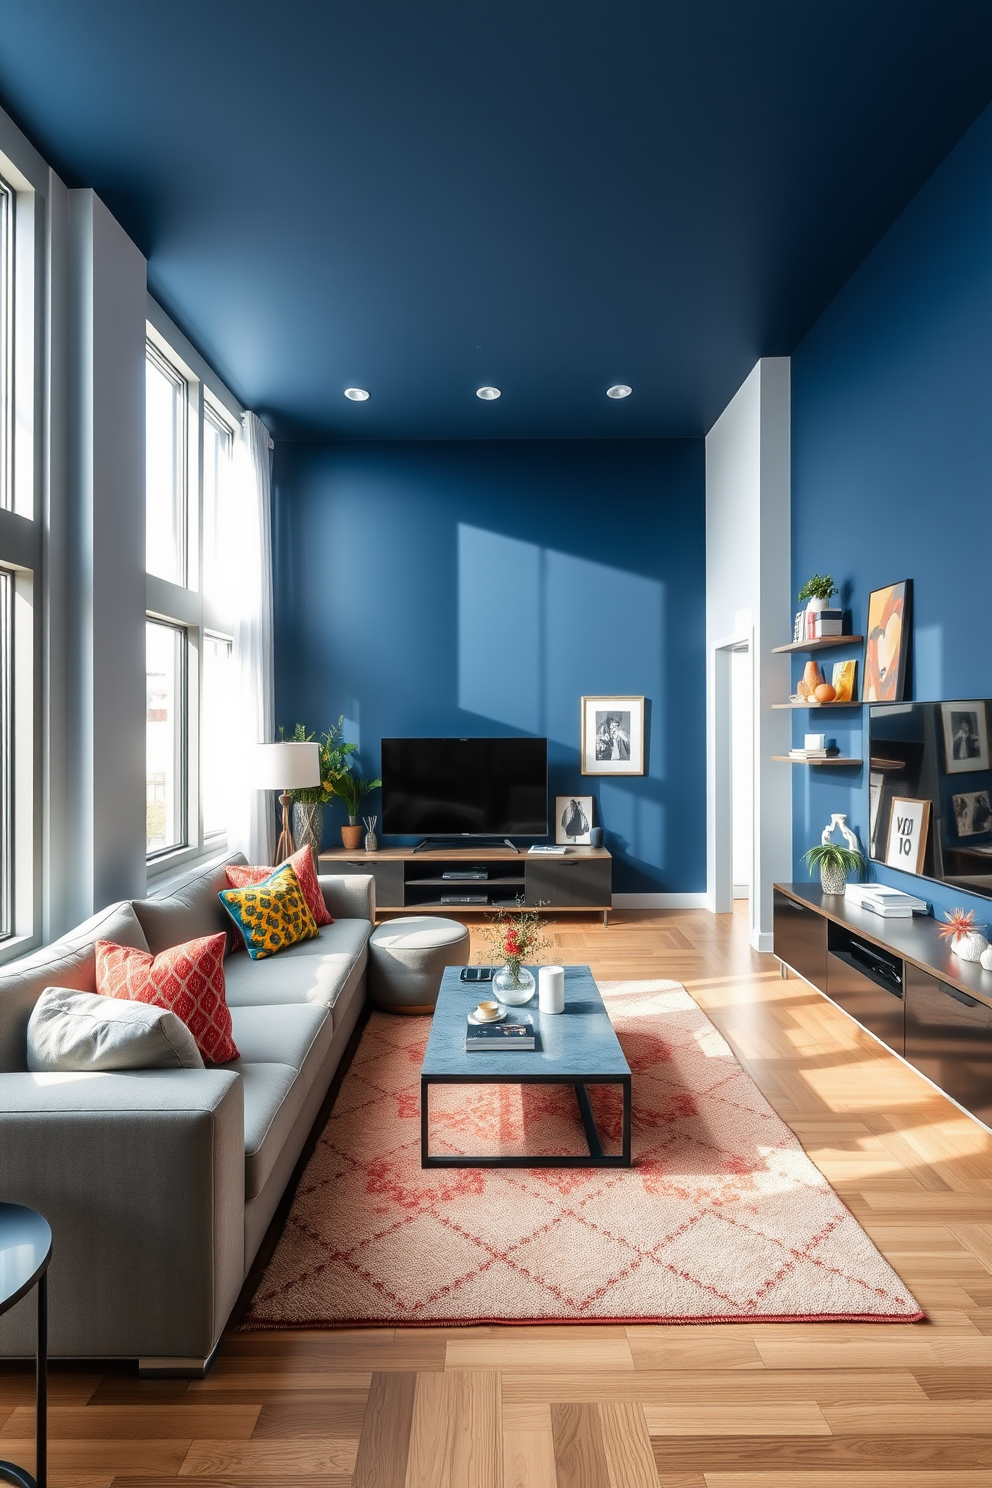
(588, 1121)
(9, 1471)
(425, 1139)
(627, 1120)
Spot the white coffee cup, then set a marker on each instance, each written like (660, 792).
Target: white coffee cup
(815, 741)
(551, 989)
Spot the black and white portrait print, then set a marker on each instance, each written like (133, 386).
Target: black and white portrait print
(573, 820)
(613, 735)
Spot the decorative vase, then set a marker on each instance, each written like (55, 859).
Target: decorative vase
(815, 605)
(514, 985)
(986, 959)
(833, 880)
(351, 836)
(308, 825)
(371, 842)
(811, 677)
(970, 946)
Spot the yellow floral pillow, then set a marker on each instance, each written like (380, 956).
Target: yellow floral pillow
(271, 915)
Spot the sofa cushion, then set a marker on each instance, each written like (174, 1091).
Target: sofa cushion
(279, 1035)
(314, 971)
(189, 910)
(68, 962)
(273, 1096)
(271, 915)
(188, 979)
(85, 1031)
(302, 865)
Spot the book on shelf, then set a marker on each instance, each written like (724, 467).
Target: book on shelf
(818, 624)
(516, 1034)
(811, 754)
(883, 899)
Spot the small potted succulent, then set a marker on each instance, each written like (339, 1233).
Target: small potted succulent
(818, 591)
(834, 863)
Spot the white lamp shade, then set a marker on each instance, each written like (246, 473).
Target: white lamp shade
(285, 766)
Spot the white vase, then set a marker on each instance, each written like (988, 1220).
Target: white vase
(815, 605)
(971, 946)
(986, 958)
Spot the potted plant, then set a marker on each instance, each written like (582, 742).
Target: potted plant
(818, 591)
(309, 801)
(515, 935)
(352, 790)
(834, 863)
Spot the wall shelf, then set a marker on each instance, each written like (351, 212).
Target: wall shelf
(810, 707)
(821, 645)
(834, 759)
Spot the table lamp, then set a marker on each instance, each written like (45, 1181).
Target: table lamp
(285, 767)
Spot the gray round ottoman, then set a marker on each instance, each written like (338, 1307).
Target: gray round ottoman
(407, 959)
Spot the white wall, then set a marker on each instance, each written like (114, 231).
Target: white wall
(748, 598)
(105, 558)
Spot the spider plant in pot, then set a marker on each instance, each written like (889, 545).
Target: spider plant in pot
(834, 863)
(352, 790)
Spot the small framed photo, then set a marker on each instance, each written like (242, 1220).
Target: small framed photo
(972, 813)
(613, 736)
(909, 823)
(887, 643)
(573, 820)
(966, 737)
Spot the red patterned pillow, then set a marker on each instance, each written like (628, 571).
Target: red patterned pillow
(187, 979)
(241, 876)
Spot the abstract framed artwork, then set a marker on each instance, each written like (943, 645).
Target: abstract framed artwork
(909, 824)
(966, 737)
(887, 643)
(613, 735)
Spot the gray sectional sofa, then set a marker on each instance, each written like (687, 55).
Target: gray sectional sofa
(160, 1184)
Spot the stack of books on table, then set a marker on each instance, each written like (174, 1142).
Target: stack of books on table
(517, 1034)
(814, 754)
(882, 899)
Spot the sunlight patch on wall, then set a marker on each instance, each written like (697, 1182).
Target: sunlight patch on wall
(538, 628)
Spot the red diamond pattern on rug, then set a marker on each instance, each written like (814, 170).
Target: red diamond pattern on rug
(722, 1218)
(187, 979)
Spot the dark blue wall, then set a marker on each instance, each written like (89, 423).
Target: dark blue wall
(482, 588)
(892, 460)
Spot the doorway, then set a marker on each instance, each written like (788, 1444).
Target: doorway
(741, 771)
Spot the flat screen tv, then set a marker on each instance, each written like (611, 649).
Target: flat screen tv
(465, 787)
(930, 790)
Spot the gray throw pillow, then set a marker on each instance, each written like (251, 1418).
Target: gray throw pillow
(71, 1030)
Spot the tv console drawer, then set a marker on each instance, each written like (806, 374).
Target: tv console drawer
(570, 882)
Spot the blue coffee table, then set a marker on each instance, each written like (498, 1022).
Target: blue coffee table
(577, 1047)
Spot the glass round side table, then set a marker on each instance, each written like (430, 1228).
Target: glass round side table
(25, 1251)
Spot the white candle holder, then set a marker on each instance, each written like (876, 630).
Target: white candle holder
(551, 989)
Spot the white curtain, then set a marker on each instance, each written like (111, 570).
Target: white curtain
(251, 829)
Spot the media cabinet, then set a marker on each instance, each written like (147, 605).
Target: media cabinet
(581, 881)
(901, 981)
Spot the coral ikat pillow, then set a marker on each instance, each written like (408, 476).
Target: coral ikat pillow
(240, 876)
(187, 979)
(271, 915)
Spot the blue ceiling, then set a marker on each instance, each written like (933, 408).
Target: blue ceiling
(546, 195)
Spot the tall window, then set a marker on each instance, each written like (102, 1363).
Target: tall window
(166, 759)
(6, 757)
(165, 468)
(6, 340)
(191, 508)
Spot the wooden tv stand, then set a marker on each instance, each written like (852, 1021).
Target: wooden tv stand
(407, 881)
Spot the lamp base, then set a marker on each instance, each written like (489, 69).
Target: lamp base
(285, 847)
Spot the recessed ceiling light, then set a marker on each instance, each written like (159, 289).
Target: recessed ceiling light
(487, 394)
(357, 395)
(619, 390)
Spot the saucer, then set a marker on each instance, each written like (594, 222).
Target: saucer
(481, 1022)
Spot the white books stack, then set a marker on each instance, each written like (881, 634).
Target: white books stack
(813, 754)
(882, 899)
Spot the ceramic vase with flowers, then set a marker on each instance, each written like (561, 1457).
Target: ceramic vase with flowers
(514, 937)
(964, 936)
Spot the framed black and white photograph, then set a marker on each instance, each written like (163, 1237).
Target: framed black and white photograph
(573, 820)
(966, 737)
(613, 736)
(909, 823)
(972, 813)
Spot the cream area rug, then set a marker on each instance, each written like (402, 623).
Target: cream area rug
(722, 1218)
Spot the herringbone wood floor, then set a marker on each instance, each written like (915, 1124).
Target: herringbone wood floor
(766, 1406)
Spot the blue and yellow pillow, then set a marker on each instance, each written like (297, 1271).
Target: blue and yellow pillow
(271, 915)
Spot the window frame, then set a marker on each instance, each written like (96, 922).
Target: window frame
(185, 605)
